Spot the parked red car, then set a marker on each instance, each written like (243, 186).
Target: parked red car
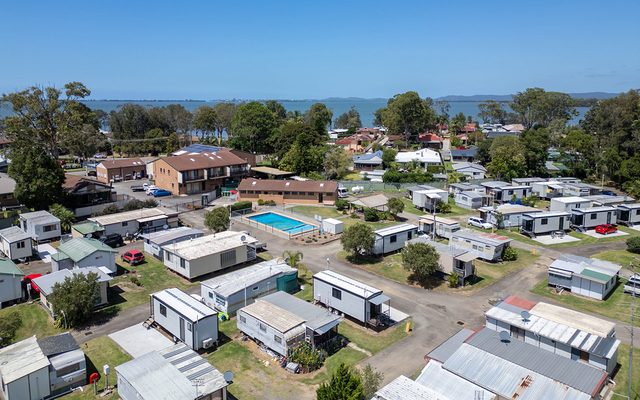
(133, 257)
(606, 229)
(29, 280)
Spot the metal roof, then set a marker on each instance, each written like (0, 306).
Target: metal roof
(132, 215)
(13, 234)
(403, 388)
(466, 186)
(547, 214)
(39, 217)
(603, 199)
(375, 201)
(87, 228)
(592, 210)
(315, 316)
(169, 374)
(46, 282)
(207, 245)
(21, 359)
(570, 200)
(278, 318)
(233, 282)
(483, 237)
(428, 219)
(467, 165)
(578, 320)
(80, 248)
(449, 346)
(473, 194)
(443, 382)
(495, 184)
(184, 304)
(510, 209)
(350, 285)
(8, 267)
(392, 230)
(599, 270)
(169, 235)
(58, 344)
(634, 206)
(271, 171)
(528, 180)
(197, 148)
(422, 155)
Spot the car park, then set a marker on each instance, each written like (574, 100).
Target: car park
(479, 223)
(133, 257)
(160, 193)
(113, 240)
(606, 229)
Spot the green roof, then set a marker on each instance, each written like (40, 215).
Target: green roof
(8, 267)
(59, 256)
(87, 228)
(599, 276)
(79, 248)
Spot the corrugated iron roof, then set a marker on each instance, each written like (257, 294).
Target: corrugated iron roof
(46, 282)
(449, 346)
(80, 248)
(8, 267)
(236, 281)
(21, 359)
(184, 304)
(315, 317)
(13, 234)
(132, 215)
(443, 382)
(403, 388)
(210, 244)
(344, 282)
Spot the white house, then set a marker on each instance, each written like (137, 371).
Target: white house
(511, 214)
(488, 246)
(460, 187)
(544, 223)
(628, 214)
(424, 157)
(15, 243)
(471, 200)
(507, 193)
(566, 204)
(192, 322)
(427, 199)
(444, 227)
(579, 189)
(589, 218)
(10, 281)
(154, 241)
(358, 300)
(82, 252)
(452, 259)
(233, 290)
(392, 238)
(529, 181)
(24, 371)
(207, 254)
(143, 220)
(588, 277)
(470, 170)
(41, 226)
(547, 190)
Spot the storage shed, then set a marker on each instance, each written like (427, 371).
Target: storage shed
(393, 238)
(588, 277)
(488, 246)
(41, 226)
(24, 371)
(211, 253)
(566, 204)
(628, 214)
(233, 290)
(358, 300)
(444, 227)
(10, 281)
(589, 218)
(192, 322)
(154, 241)
(544, 223)
(82, 252)
(506, 215)
(15, 243)
(332, 226)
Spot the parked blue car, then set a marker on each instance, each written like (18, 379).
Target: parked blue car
(160, 193)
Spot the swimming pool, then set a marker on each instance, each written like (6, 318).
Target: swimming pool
(282, 223)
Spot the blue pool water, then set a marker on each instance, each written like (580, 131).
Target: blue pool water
(282, 223)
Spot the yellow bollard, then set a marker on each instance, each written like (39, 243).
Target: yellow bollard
(407, 327)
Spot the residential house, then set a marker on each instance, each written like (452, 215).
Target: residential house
(506, 215)
(471, 199)
(350, 297)
(589, 218)
(356, 143)
(10, 282)
(526, 181)
(545, 223)
(570, 334)
(368, 161)
(468, 154)
(229, 292)
(15, 243)
(170, 374)
(392, 238)
(548, 190)
(423, 157)
(428, 199)
(41, 226)
(120, 169)
(579, 189)
(128, 223)
(154, 241)
(488, 246)
(83, 252)
(600, 200)
(183, 316)
(376, 201)
(45, 284)
(211, 253)
(430, 140)
(86, 196)
(7, 188)
(67, 363)
(452, 259)
(470, 170)
(197, 148)
(566, 204)
(588, 277)
(281, 322)
(289, 191)
(627, 214)
(199, 173)
(373, 176)
(460, 187)
(444, 227)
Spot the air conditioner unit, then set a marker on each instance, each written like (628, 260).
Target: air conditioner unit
(207, 343)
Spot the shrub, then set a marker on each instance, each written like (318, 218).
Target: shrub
(371, 215)
(307, 356)
(110, 209)
(135, 280)
(342, 204)
(9, 325)
(633, 244)
(260, 202)
(355, 216)
(509, 254)
(443, 207)
(241, 205)
(453, 279)
(134, 204)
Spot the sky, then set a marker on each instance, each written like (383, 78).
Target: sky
(309, 49)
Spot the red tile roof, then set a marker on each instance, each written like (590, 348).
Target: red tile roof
(429, 137)
(188, 162)
(122, 163)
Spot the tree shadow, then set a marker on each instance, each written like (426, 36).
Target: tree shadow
(364, 259)
(429, 282)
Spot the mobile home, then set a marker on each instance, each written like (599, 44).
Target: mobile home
(567, 179)
(392, 238)
(428, 199)
(547, 190)
(358, 300)
(452, 259)
(588, 277)
(471, 200)
(543, 223)
(81, 252)
(154, 241)
(129, 222)
(15, 243)
(488, 246)
(192, 322)
(600, 200)
(579, 189)
(566, 204)
(10, 281)
(229, 292)
(506, 193)
(526, 181)
(444, 227)
(511, 214)
(470, 170)
(24, 371)
(589, 218)
(41, 226)
(628, 214)
(455, 188)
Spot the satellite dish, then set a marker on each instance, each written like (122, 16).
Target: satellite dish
(243, 238)
(525, 315)
(505, 337)
(228, 376)
(165, 227)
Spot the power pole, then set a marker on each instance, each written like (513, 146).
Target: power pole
(633, 310)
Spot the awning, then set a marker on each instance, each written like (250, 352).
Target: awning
(326, 328)
(466, 257)
(379, 299)
(432, 196)
(556, 187)
(153, 218)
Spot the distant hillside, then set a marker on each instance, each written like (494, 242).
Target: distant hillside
(509, 97)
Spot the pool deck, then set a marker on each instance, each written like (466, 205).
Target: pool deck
(249, 219)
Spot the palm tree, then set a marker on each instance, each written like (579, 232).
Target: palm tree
(292, 258)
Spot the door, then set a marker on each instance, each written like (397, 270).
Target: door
(320, 198)
(182, 329)
(608, 218)
(561, 224)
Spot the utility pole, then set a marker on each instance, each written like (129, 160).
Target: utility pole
(633, 311)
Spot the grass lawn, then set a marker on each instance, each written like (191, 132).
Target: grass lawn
(622, 376)
(456, 210)
(345, 355)
(101, 351)
(621, 257)
(354, 176)
(489, 273)
(305, 278)
(616, 306)
(35, 320)
(390, 266)
(409, 207)
(370, 341)
(311, 211)
(348, 221)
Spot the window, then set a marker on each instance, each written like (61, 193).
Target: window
(67, 370)
(168, 256)
(278, 339)
(182, 263)
(125, 223)
(163, 310)
(593, 216)
(393, 239)
(189, 326)
(263, 327)
(637, 212)
(544, 221)
(255, 288)
(510, 192)
(210, 295)
(228, 258)
(49, 228)
(243, 319)
(409, 235)
(220, 300)
(20, 245)
(336, 293)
